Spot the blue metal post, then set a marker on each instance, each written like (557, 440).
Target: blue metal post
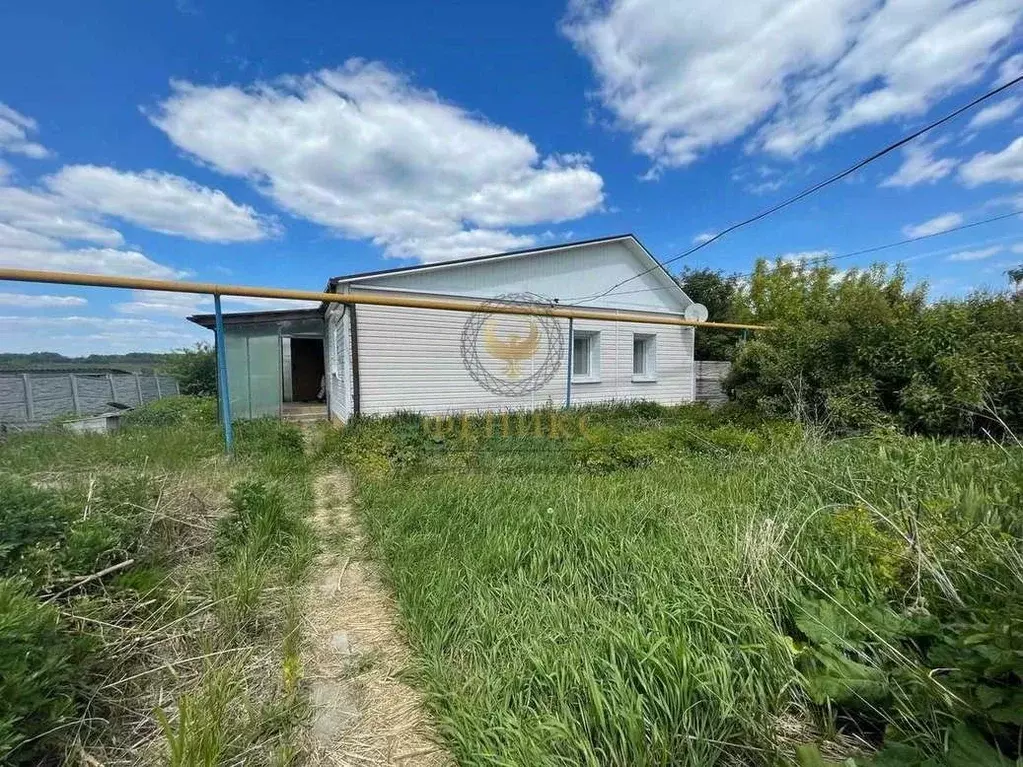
(222, 387)
(568, 376)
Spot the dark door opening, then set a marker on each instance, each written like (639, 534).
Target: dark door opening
(306, 369)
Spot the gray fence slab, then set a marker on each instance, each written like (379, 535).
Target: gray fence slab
(709, 375)
(55, 395)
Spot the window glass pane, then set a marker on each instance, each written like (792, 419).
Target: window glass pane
(236, 348)
(639, 356)
(581, 355)
(264, 375)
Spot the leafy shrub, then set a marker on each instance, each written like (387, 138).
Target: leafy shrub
(861, 350)
(779, 433)
(733, 439)
(602, 450)
(380, 445)
(720, 294)
(46, 537)
(37, 673)
(195, 369)
(173, 411)
(29, 516)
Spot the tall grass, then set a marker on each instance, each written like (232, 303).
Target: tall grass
(186, 652)
(671, 588)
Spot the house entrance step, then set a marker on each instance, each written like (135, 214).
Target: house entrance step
(304, 412)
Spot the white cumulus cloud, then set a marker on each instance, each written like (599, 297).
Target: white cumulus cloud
(16, 237)
(363, 151)
(685, 77)
(934, 225)
(29, 301)
(50, 216)
(42, 231)
(89, 260)
(985, 167)
(159, 201)
(1002, 110)
(920, 166)
(14, 134)
(974, 255)
(1010, 69)
(76, 335)
(183, 304)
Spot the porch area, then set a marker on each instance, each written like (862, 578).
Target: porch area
(275, 364)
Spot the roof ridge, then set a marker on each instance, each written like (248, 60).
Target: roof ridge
(473, 259)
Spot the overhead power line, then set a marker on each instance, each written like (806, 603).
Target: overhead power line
(824, 183)
(827, 259)
(907, 241)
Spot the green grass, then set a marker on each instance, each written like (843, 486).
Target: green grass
(188, 653)
(675, 587)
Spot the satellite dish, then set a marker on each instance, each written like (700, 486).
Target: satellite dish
(696, 313)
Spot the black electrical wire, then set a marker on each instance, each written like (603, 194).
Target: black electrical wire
(821, 184)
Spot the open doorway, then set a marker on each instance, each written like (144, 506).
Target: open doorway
(306, 369)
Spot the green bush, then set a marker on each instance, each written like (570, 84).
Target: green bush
(47, 537)
(381, 445)
(29, 517)
(173, 411)
(195, 369)
(278, 448)
(862, 351)
(37, 674)
(76, 656)
(603, 450)
(719, 293)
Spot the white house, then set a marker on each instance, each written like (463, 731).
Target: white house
(366, 359)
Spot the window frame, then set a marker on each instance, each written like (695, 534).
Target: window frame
(592, 338)
(649, 373)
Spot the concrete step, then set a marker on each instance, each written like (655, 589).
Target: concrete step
(304, 413)
(304, 418)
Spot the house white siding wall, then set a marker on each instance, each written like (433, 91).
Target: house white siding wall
(674, 365)
(411, 359)
(339, 363)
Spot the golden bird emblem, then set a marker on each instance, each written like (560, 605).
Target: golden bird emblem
(512, 350)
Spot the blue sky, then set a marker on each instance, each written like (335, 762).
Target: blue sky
(283, 143)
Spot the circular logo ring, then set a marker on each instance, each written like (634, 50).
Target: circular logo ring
(540, 352)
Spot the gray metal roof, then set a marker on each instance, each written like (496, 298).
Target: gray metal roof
(474, 259)
(247, 318)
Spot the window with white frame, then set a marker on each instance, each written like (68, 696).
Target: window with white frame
(585, 356)
(644, 357)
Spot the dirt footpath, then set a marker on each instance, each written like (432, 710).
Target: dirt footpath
(362, 714)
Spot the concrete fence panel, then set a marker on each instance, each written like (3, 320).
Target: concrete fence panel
(93, 393)
(709, 375)
(51, 396)
(30, 400)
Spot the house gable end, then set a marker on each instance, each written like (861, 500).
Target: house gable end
(575, 275)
